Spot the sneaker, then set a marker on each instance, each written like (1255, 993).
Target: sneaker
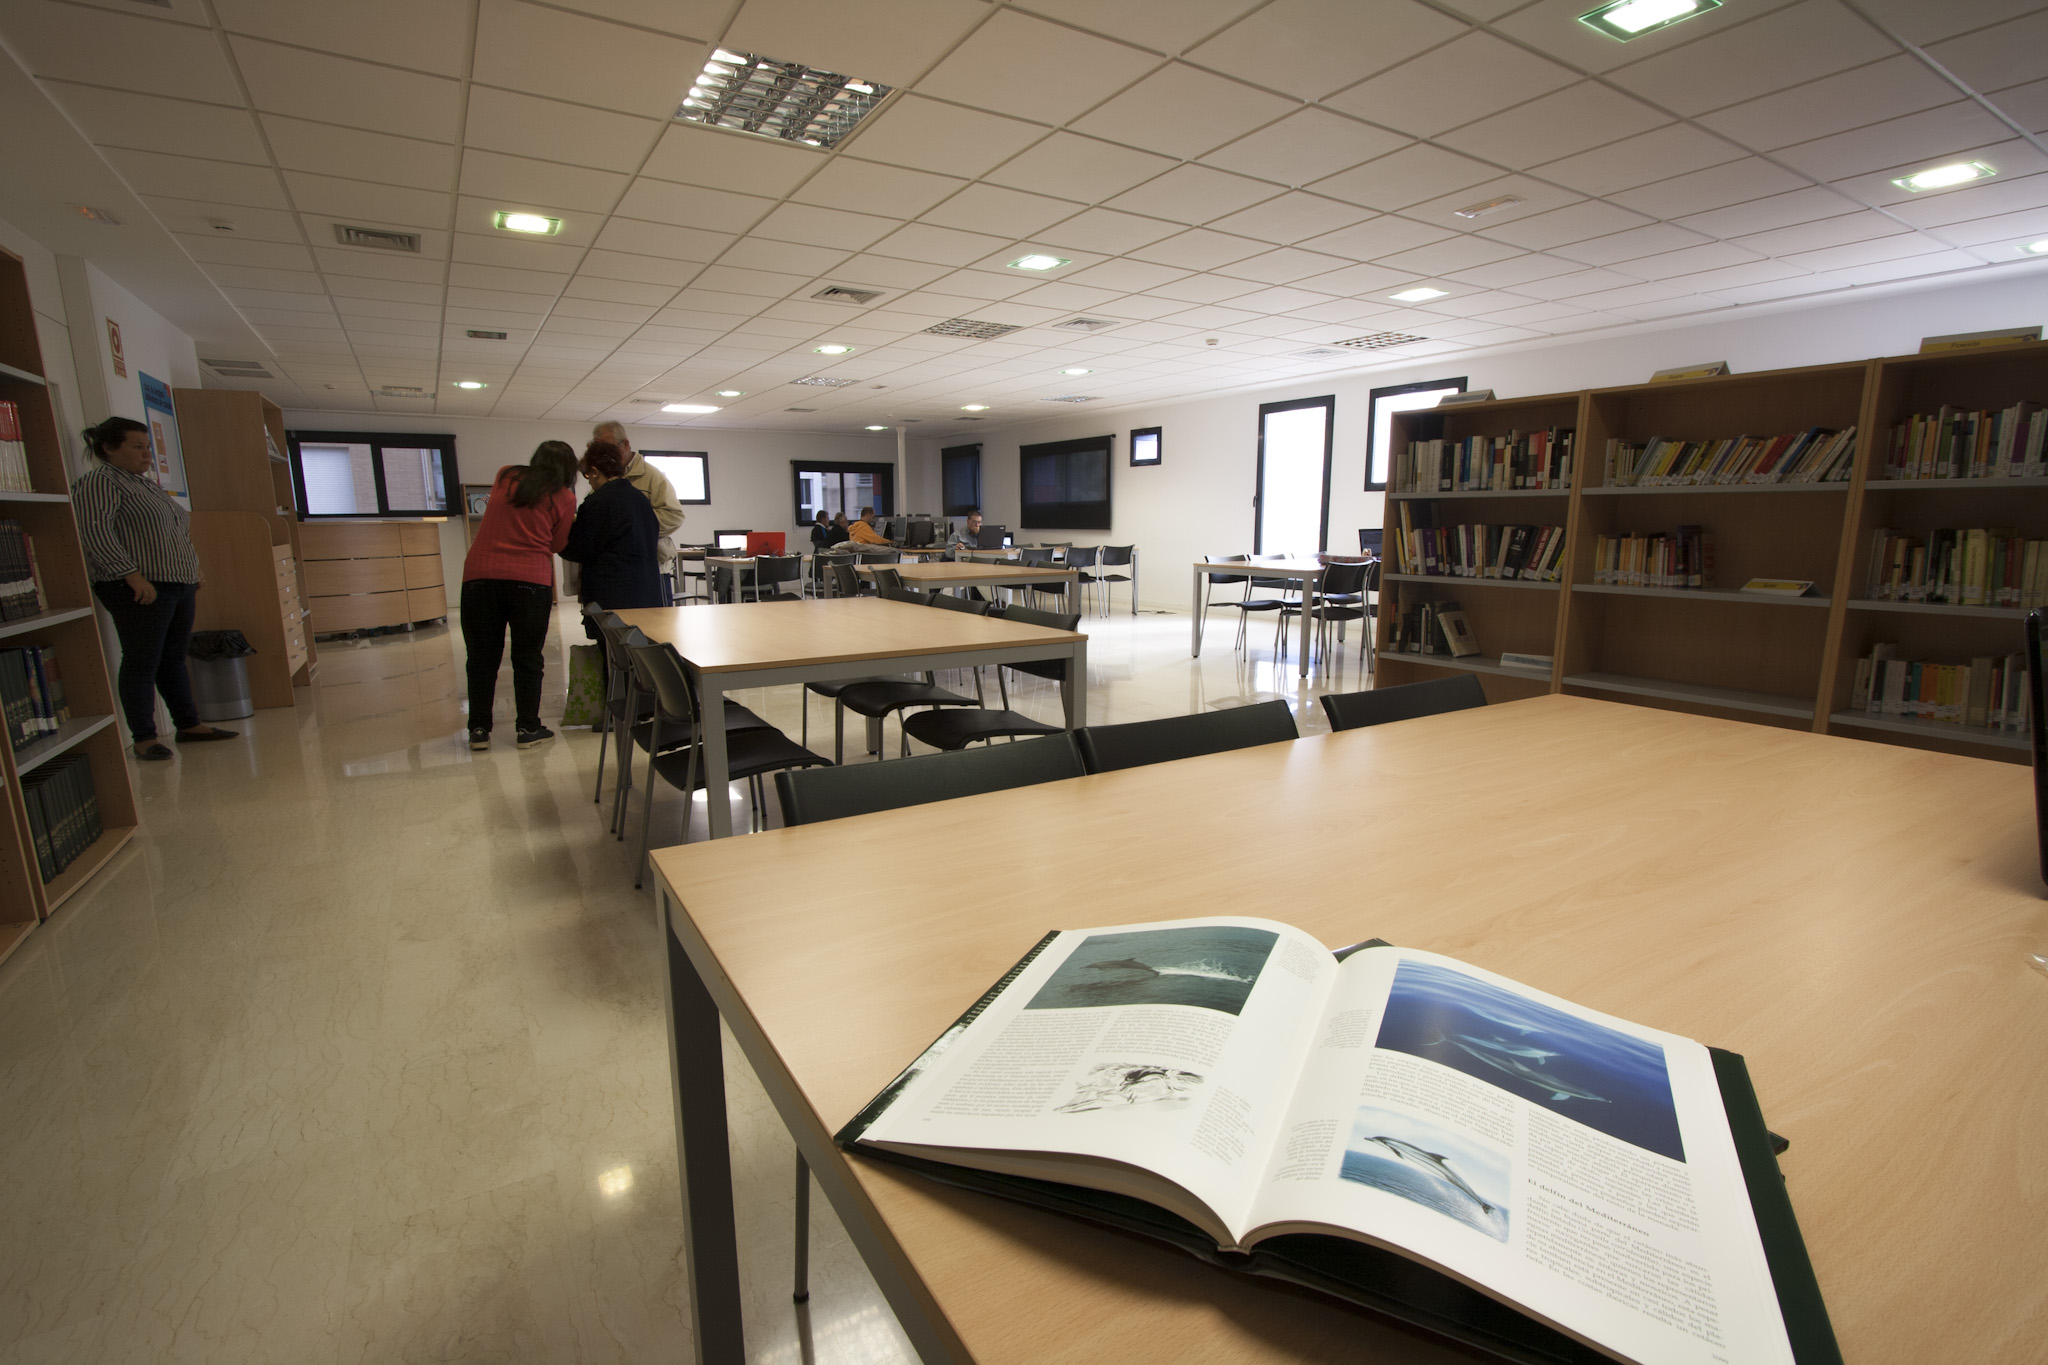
(537, 735)
(479, 739)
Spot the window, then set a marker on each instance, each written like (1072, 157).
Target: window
(689, 471)
(842, 486)
(1292, 502)
(1145, 445)
(372, 474)
(1380, 420)
(1065, 484)
(960, 480)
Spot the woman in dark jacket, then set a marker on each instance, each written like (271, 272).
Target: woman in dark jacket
(614, 537)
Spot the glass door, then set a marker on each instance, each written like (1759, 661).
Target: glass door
(1293, 499)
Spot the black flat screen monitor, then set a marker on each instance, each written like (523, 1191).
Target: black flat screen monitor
(918, 533)
(1370, 539)
(1065, 485)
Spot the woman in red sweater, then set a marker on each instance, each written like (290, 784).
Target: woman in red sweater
(508, 579)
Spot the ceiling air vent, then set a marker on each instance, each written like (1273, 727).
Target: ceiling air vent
(1319, 352)
(1082, 325)
(839, 293)
(655, 402)
(400, 391)
(377, 238)
(1070, 398)
(239, 369)
(822, 383)
(475, 335)
(1378, 340)
(799, 409)
(967, 419)
(973, 329)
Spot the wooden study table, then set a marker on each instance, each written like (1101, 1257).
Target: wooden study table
(1309, 572)
(937, 577)
(730, 648)
(1854, 918)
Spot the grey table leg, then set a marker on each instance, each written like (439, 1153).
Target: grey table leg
(697, 1072)
(717, 779)
(1196, 648)
(1307, 598)
(1075, 693)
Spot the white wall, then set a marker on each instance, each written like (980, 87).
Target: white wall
(751, 483)
(1199, 500)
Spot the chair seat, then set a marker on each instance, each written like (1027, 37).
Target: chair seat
(833, 689)
(956, 728)
(748, 753)
(675, 734)
(1260, 604)
(877, 699)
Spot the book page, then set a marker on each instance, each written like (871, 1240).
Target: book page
(1170, 1047)
(1574, 1164)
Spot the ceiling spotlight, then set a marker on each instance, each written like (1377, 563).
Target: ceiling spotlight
(1077, 369)
(1945, 177)
(732, 393)
(1490, 206)
(2039, 248)
(1420, 294)
(689, 407)
(470, 384)
(1037, 262)
(526, 222)
(974, 407)
(878, 428)
(1628, 19)
(833, 349)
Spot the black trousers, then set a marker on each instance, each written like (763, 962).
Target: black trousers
(153, 642)
(489, 606)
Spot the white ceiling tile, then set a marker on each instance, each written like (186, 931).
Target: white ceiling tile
(936, 245)
(1736, 182)
(1656, 155)
(1686, 261)
(1487, 74)
(277, 298)
(1107, 230)
(789, 258)
(846, 182)
(1182, 112)
(359, 155)
(521, 253)
(659, 239)
(523, 125)
(893, 46)
(1380, 236)
(1516, 271)
(993, 209)
(1142, 306)
(526, 310)
(1406, 177)
(1827, 232)
(1199, 249)
(1551, 26)
(1354, 280)
(1882, 90)
(197, 217)
(1573, 224)
(1305, 146)
(235, 251)
(1077, 167)
(627, 265)
(2026, 105)
(244, 277)
(360, 200)
(1777, 50)
(1556, 125)
(1064, 297)
(732, 161)
(1127, 276)
(1930, 135)
(528, 47)
(1309, 48)
(1194, 194)
(1291, 217)
(1780, 210)
(1996, 57)
(121, 51)
(1441, 258)
(2025, 226)
(383, 265)
(1905, 268)
(521, 180)
(1019, 65)
(927, 135)
(1282, 299)
(1536, 196)
(822, 227)
(1919, 22)
(470, 276)
(1169, 26)
(426, 35)
(886, 272)
(151, 123)
(695, 206)
(1533, 314)
(706, 307)
(1283, 266)
(1626, 246)
(312, 85)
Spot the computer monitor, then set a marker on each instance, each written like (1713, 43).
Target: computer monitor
(1370, 539)
(764, 542)
(991, 538)
(731, 540)
(918, 533)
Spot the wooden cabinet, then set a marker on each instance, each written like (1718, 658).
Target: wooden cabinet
(247, 534)
(366, 575)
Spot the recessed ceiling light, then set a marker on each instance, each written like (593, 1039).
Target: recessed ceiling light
(1420, 294)
(878, 428)
(1077, 369)
(974, 407)
(1943, 177)
(732, 393)
(1490, 206)
(91, 214)
(787, 101)
(833, 349)
(1038, 262)
(2039, 248)
(471, 384)
(526, 222)
(1626, 19)
(689, 407)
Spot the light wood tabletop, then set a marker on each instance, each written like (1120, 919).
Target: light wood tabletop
(1854, 918)
(959, 575)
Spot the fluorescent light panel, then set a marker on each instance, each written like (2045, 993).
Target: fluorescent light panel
(1945, 177)
(2039, 248)
(1628, 19)
(537, 223)
(1036, 261)
(787, 101)
(1419, 294)
(689, 407)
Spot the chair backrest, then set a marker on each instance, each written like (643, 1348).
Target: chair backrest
(969, 605)
(844, 580)
(1035, 555)
(1082, 556)
(1377, 706)
(1343, 578)
(899, 593)
(660, 670)
(779, 568)
(813, 794)
(880, 557)
(1055, 669)
(887, 578)
(1106, 748)
(1116, 556)
(1228, 577)
(1372, 575)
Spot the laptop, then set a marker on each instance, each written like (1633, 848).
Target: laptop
(731, 542)
(1370, 539)
(764, 543)
(991, 538)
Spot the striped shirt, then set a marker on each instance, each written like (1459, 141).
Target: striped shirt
(129, 525)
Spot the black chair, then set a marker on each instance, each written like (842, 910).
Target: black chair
(634, 715)
(1247, 604)
(955, 728)
(898, 593)
(1377, 706)
(689, 564)
(878, 700)
(748, 753)
(1340, 600)
(771, 571)
(617, 675)
(846, 583)
(1082, 559)
(1116, 557)
(886, 580)
(824, 574)
(834, 793)
(1106, 748)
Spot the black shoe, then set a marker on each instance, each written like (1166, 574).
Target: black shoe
(479, 739)
(206, 736)
(537, 735)
(152, 752)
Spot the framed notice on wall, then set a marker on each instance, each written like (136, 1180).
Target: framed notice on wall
(167, 456)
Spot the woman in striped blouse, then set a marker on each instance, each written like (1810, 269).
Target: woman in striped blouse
(144, 570)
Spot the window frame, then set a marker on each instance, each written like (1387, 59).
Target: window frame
(1029, 519)
(1327, 402)
(702, 457)
(378, 441)
(1158, 447)
(948, 456)
(1373, 455)
(884, 476)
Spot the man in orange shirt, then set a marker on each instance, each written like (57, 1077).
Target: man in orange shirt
(862, 532)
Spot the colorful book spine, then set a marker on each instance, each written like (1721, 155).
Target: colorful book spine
(1994, 443)
(1816, 455)
(1516, 461)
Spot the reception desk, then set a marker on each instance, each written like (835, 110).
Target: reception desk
(362, 575)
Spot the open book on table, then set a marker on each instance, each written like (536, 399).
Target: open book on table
(1422, 1137)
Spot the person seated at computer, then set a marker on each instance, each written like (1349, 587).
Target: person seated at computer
(968, 537)
(863, 532)
(822, 533)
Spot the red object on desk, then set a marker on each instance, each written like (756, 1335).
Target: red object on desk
(764, 543)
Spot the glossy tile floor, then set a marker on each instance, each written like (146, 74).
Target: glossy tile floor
(356, 1053)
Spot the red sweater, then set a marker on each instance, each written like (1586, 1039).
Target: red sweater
(519, 543)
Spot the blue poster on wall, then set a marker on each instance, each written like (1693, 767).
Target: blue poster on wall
(169, 465)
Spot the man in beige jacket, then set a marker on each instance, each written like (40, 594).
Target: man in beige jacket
(668, 511)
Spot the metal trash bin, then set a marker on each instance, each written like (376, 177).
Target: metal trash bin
(220, 676)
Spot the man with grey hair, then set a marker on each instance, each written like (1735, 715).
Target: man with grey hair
(668, 511)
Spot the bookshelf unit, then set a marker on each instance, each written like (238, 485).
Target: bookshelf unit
(68, 625)
(1506, 614)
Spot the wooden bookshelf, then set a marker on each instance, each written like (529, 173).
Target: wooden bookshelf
(68, 625)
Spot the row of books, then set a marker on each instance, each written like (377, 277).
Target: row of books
(1997, 443)
(1683, 559)
(32, 701)
(14, 474)
(1989, 693)
(1487, 464)
(63, 812)
(1971, 567)
(21, 585)
(1432, 628)
(1477, 550)
(1815, 455)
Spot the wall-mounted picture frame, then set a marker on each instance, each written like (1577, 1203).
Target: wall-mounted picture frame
(1147, 446)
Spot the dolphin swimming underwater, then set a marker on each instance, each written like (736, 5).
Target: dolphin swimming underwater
(1518, 1025)
(1507, 1058)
